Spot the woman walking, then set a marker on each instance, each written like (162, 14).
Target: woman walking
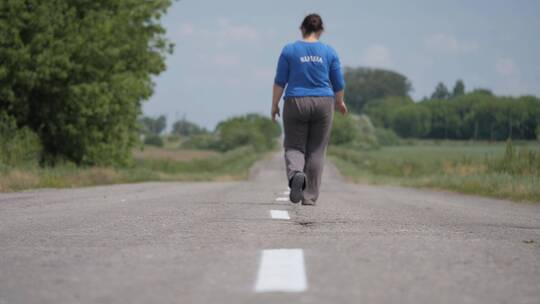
(311, 72)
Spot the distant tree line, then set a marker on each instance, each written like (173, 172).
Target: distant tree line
(252, 130)
(455, 114)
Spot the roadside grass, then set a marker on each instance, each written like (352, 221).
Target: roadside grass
(152, 164)
(173, 154)
(490, 169)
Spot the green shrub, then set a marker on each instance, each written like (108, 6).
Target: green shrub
(206, 141)
(386, 137)
(18, 147)
(153, 140)
(249, 130)
(172, 140)
(366, 129)
(238, 133)
(353, 131)
(345, 130)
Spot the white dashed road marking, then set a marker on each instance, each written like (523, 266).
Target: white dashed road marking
(281, 270)
(280, 215)
(282, 199)
(286, 192)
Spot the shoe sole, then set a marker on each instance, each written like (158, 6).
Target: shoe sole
(297, 184)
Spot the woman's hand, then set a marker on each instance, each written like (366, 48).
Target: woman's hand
(340, 102)
(342, 107)
(275, 111)
(277, 91)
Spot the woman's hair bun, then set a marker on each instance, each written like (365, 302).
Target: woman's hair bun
(312, 23)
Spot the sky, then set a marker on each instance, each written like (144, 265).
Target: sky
(226, 52)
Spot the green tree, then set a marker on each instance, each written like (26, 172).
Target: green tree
(153, 140)
(412, 121)
(380, 111)
(153, 126)
(187, 128)
(365, 84)
(465, 107)
(483, 91)
(459, 89)
(530, 126)
(445, 119)
(76, 72)
(441, 92)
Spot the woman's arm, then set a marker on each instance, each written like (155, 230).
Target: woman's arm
(338, 83)
(340, 102)
(280, 81)
(277, 91)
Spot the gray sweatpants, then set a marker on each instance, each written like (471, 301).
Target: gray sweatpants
(307, 122)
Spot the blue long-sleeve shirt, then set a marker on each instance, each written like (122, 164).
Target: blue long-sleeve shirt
(309, 69)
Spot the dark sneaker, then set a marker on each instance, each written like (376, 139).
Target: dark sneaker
(308, 202)
(297, 187)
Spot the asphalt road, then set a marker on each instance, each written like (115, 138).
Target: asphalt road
(204, 243)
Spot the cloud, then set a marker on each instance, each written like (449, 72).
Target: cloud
(215, 45)
(507, 67)
(449, 45)
(236, 31)
(510, 79)
(221, 32)
(225, 60)
(189, 30)
(377, 55)
(263, 73)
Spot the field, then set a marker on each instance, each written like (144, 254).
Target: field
(150, 164)
(491, 169)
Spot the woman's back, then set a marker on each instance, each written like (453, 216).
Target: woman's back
(309, 69)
